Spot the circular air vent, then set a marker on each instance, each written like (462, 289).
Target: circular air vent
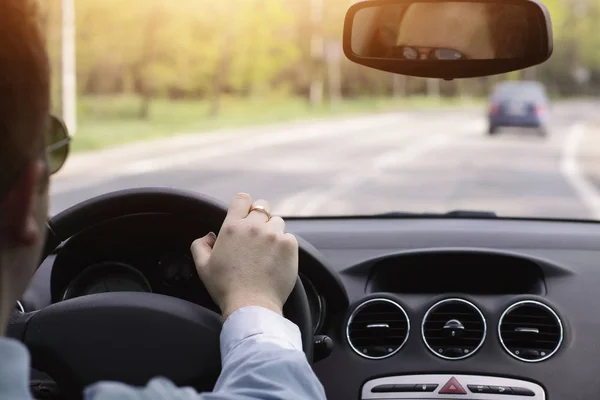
(530, 331)
(377, 328)
(453, 329)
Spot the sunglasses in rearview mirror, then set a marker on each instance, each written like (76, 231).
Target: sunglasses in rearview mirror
(58, 141)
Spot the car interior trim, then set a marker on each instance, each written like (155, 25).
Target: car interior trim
(361, 306)
(469, 387)
(90, 274)
(450, 300)
(310, 286)
(539, 304)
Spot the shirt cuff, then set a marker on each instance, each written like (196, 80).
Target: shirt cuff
(258, 324)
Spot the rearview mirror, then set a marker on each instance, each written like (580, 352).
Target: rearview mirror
(448, 39)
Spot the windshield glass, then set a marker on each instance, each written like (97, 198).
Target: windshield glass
(226, 96)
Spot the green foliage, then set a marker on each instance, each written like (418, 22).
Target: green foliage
(106, 121)
(203, 48)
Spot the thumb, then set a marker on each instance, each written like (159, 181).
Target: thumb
(202, 249)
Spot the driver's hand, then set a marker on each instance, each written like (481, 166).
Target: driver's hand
(253, 262)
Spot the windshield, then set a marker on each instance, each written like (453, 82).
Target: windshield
(226, 96)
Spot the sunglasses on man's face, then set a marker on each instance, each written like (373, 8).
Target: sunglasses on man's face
(57, 151)
(58, 144)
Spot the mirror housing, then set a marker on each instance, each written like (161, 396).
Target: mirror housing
(448, 39)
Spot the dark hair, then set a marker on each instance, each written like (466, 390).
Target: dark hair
(24, 88)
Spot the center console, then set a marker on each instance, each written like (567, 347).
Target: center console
(451, 387)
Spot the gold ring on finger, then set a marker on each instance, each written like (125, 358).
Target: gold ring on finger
(262, 210)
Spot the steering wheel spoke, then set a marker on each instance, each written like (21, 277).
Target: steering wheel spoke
(126, 336)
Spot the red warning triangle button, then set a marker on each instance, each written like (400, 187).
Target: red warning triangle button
(452, 387)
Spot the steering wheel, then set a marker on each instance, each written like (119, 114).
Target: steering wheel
(133, 337)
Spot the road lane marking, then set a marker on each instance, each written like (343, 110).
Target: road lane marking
(240, 145)
(101, 171)
(349, 180)
(585, 190)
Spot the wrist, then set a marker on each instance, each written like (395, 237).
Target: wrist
(232, 307)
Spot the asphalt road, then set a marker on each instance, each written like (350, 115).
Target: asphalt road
(431, 160)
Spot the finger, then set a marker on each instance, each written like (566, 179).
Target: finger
(239, 207)
(276, 224)
(259, 215)
(290, 241)
(202, 249)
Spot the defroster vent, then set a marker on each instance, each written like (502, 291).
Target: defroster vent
(378, 328)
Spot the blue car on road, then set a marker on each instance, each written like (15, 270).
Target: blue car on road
(522, 104)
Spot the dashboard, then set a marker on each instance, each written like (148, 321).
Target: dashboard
(150, 253)
(409, 308)
(174, 275)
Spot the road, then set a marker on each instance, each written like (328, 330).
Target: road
(431, 160)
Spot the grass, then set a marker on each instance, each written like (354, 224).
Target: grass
(105, 122)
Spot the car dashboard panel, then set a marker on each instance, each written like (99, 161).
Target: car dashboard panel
(469, 271)
(151, 253)
(503, 306)
(415, 308)
(135, 253)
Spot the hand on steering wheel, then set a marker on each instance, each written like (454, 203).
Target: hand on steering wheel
(133, 337)
(253, 262)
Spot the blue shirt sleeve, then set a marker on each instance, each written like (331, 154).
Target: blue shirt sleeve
(262, 359)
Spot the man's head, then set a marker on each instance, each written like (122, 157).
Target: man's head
(444, 25)
(24, 119)
(476, 30)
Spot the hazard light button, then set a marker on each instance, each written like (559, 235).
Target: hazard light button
(452, 387)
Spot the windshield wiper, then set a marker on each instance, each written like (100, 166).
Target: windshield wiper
(453, 213)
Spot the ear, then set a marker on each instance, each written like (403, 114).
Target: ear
(19, 206)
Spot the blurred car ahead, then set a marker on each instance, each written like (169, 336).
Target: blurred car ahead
(522, 104)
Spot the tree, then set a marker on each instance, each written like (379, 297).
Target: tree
(206, 48)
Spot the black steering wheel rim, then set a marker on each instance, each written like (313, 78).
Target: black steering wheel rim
(157, 346)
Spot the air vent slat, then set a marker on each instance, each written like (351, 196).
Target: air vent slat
(453, 329)
(391, 333)
(443, 339)
(441, 322)
(540, 332)
(528, 317)
(455, 314)
(530, 331)
(389, 329)
(545, 327)
(391, 338)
